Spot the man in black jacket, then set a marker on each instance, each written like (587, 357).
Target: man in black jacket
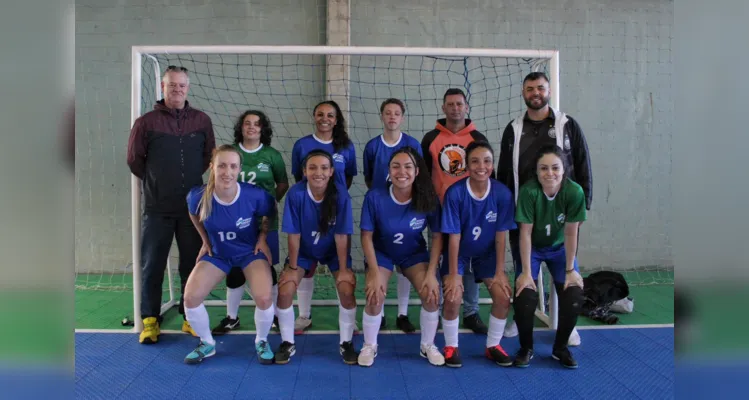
(541, 125)
(169, 149)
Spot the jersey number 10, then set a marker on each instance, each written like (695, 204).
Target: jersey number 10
(227, 236)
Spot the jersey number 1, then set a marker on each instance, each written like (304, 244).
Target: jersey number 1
(548, 230)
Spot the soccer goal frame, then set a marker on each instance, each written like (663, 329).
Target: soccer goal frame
(540, 57)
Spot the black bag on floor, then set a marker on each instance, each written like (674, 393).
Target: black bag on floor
(601, 289)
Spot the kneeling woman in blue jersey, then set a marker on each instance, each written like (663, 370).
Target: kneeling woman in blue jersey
(478, 211)
(232, 219)
(549, 211)
(393, 219)
(317, 218)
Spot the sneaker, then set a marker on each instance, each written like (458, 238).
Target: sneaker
(264, 353)
(432, 353)
(574, 339)
(350, 356)
(284, 353)
(301, 324)
(225, 326)
(367, 355)
(188, 329)
(204, 350)
(474, 323)
(523, 358)
(564, 357)
(404, 324)
(452, 357)
(499, 356)
(511, 329)
(151, 331)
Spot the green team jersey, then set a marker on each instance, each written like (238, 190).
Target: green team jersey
(263, 167)
(548, 215)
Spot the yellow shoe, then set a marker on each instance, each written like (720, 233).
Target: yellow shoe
(187, 328)
(151, 331)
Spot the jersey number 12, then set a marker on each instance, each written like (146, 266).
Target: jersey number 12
(250, 177)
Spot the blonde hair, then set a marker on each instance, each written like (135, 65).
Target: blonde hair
(206, 200)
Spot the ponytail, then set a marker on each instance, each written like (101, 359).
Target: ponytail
(206, 201)
(328, 207)
(423, 196)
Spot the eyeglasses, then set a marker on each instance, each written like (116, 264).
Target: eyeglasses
(176, 68)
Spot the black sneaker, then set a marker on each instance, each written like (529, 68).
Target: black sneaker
(284, 353)
(474, 323)
(350, 356)
(523, 357)
(499, 356)
(564, 357)
(452, 357)
(404, 324)
(225, 326)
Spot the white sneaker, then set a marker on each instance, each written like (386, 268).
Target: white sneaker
(301, 324)
(511, 329)
(574, 339)
(367, 355)
(432, 353)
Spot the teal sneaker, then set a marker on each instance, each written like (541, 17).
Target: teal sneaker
(264, 353)
(204, 350)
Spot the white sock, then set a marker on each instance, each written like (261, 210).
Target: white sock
(263, 321)
(233, 298)
(198, 319)
(274, 295)
(428, 321)
(304, 296)
(346, 320)
(496, 330)
(286, 324)
(450, 330)
(371, 325)
(404, 291)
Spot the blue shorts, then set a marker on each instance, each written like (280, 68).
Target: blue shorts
(555, 258)
(483, 266)
(226, 264)
(310, 264)
(404, 262)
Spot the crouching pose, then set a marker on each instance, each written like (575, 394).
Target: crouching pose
(318, 220)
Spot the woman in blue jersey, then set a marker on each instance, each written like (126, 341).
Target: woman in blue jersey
(477, 213)
(550, 208)
(393, 220)
(331, 136)
(377, 154)
(262, 166)
(232, 219)
(318, 220)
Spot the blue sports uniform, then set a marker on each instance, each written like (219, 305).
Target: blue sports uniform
(397, 229)
(302, 216)
(377, 155)
(344, 160)
(233, 227)
(477, 221)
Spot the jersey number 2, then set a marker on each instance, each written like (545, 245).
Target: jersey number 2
(398, 238)
(250, 177)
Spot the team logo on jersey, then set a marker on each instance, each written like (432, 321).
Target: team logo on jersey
(416, 224)
(491, 216)
(337, 157)
(560, 218)
(552, 132)
(243, 222)
(452, 159)
(263, 167)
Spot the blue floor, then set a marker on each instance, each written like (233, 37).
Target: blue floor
(614, 364)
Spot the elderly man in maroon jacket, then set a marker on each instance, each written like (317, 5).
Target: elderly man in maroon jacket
(169, 150)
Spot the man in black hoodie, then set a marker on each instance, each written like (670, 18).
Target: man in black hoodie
(169, 149)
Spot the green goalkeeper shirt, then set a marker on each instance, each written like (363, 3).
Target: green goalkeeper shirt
(548, 215)
(263, 167)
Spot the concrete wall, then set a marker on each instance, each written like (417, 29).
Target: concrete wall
(616, 69)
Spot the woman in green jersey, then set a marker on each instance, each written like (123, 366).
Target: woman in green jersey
(263, 166)
(548, 212)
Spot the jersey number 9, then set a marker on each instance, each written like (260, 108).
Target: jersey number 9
(476, 232)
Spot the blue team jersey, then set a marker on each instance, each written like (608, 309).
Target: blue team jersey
(477, 220)
(302, 215)
(344, 160)
(377, 155)
(397, 228)
(233, 227)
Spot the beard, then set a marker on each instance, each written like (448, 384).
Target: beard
(544, 102)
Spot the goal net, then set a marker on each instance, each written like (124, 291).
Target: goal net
(286, 83)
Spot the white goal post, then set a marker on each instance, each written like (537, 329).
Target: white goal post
(539, 57)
